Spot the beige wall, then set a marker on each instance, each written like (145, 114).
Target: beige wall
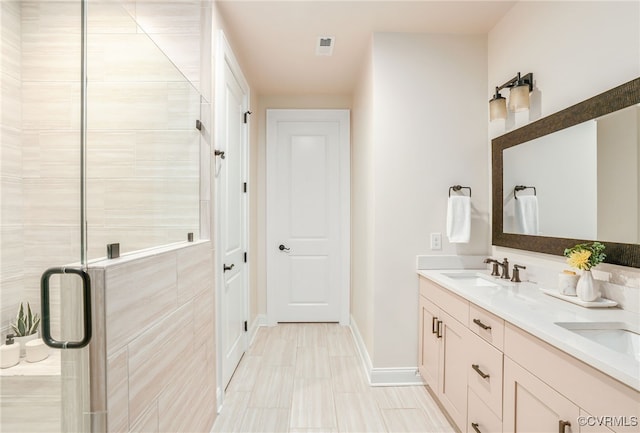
(429, 117)
(603, 39)
(362, 201)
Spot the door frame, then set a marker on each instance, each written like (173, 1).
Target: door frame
(310, 115)
(225, 56)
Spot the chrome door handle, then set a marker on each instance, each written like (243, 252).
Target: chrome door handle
(283, 248)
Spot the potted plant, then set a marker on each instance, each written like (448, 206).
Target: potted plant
(585, 257)
(26, 327)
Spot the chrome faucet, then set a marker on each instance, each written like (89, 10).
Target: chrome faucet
(505, 269)
(494, 269)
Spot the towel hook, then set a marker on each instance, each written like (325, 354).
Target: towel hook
(458, 188)
(521, 188)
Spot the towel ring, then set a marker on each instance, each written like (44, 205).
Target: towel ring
(521, 188)
(458, 188)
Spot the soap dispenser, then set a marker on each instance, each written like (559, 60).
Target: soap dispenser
(9, 353)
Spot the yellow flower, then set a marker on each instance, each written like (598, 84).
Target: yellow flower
(580, 259)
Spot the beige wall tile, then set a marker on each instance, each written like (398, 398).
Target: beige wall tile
(52, 155)
(51, 201)
(118, 392)
(49, 105)
(10, 152)
(11, 200)
(10, 38)
(195, 275)
(158, 355)
(109, 18)
(10, 88)
(149, 421)
(138, 294)
(51, 57)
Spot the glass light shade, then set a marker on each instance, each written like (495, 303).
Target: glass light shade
(498, 108)
(519, 98)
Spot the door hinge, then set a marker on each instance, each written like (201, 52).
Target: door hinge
(245, 257)
(245, 326)
(244, 187)
(246, 116)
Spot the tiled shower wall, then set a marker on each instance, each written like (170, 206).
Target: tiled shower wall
(143, 148)
(160, 340)
(11, 183)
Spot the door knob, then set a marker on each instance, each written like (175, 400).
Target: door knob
(283, 248)
(226, 268)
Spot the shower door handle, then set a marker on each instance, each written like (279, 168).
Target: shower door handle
(46, 310)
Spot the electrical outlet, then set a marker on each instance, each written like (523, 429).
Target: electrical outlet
(436, 241)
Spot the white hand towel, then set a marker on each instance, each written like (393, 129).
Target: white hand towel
(459, 219)
(526, 214)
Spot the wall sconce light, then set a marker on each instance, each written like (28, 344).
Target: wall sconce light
(520, 87)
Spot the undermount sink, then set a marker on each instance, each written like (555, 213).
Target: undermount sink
(471, 278)
(615, 335)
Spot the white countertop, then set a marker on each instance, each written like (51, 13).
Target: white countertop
(525, 306)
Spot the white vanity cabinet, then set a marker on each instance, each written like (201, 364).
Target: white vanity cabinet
(531, 406)
(444, 340)
(493, 377)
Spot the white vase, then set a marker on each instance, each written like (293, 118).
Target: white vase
(586, 288)
(22, 341)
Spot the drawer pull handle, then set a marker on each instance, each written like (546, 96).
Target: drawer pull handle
(480, 324)
(434, 326)
(482, 374)
(439, 332)
(475, 427)
(562, 425)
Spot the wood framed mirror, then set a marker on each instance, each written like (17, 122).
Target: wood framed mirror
(583, 195)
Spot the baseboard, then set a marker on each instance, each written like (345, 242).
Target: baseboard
(219, 399)
(383, 376)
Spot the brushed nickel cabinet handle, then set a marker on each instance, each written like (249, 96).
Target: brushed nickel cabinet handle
(434, 325)
(439, 331)
(480, 324)
(482, 374)
(562, 425)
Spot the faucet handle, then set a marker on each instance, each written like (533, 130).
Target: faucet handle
(516, 273)
(494, 267)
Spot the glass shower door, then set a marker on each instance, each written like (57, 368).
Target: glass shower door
(46, 389)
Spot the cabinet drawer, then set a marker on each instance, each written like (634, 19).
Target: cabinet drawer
(454, 305)
(485, 373)
(480, 418)
(486, 325)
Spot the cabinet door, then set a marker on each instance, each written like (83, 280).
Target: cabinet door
(428, 350)
(453, 366)
(531, 406)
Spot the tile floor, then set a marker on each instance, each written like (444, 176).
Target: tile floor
(304, 378)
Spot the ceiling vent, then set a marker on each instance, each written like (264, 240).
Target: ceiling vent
(324, 46)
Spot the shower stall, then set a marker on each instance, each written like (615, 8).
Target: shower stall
(104, 115)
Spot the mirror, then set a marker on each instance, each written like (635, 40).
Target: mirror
(572, 177)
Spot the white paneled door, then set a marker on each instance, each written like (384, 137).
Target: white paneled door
(231, 223)
(308, 216)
